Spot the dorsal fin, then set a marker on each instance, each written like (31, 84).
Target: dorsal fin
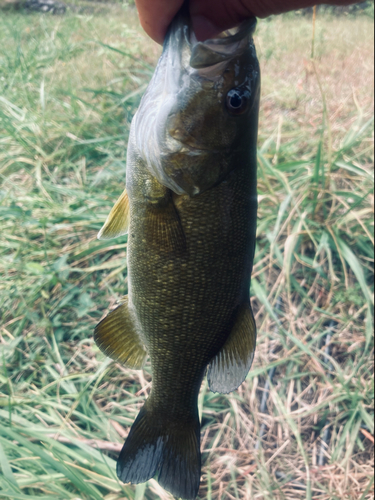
(230, 366)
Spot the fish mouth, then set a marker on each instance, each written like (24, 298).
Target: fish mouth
(229, 44)
(183, 47)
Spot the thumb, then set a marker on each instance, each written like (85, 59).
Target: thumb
(156, 15)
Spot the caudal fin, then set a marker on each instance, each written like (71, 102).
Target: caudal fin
(172, 450)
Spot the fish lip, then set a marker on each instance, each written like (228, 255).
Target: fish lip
(222, 48)
(209, 52)
(184, 147)
(196, 150)
(226, 37)
(244, 29)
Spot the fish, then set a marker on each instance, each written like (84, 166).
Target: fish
(190, 211)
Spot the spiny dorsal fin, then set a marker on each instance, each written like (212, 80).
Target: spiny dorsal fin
(117, 222)
(230, 366)
(116, 336)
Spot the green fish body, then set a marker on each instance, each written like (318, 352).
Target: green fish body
(190, 212)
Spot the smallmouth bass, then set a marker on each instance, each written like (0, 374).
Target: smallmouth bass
(189, 209)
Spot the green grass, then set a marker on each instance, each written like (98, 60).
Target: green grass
(69, 87)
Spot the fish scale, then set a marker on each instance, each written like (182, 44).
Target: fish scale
(190, 211)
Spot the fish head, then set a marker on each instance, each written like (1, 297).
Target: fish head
(198, 118)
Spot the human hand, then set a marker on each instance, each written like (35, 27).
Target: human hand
(210, 17)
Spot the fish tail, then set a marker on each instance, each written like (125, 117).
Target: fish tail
(172, 450)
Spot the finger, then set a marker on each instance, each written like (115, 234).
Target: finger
(156, 16)
(211, 17)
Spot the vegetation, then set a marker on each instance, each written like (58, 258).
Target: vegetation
(301, 426)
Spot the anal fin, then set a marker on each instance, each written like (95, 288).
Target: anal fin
(116, 336)
(229, 367)
(117, 222)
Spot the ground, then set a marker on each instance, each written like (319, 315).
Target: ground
(301, 426)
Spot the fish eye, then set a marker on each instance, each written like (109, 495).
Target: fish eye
(237, 101)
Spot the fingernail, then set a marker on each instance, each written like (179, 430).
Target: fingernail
(203, 28)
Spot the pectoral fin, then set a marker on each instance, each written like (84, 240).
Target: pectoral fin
(165, 230)
(116, 336)
(118, 219)
(230, 366)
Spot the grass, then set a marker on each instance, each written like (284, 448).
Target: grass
(69, 87)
